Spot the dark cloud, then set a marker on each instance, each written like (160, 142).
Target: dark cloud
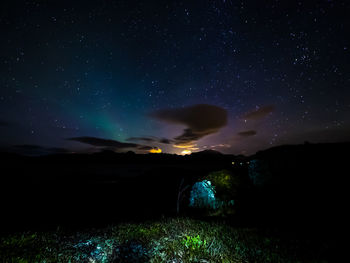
(247, 133)
(259, 113)
(145, 139)
(165, 141)
(5, 123)
(31, 149)
(103, 142)
(58, 150)
(146, 148)
(114, 145)
(201, 120)
(150, 139)
(190, 136)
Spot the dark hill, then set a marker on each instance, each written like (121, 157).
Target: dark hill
(299, 186)
(302, 185)
(207, 152)
(104, 187)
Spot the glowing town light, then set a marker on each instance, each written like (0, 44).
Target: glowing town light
(155, 150)
(184, 146)
(184, 152)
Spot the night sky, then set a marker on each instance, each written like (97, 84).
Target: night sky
(233, 76)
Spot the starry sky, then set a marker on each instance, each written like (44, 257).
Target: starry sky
(180, 76)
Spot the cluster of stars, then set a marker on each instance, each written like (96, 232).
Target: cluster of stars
(114, 62)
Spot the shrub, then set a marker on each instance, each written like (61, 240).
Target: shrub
(203, 195)
(226, 184)
(194, 242)
(216, 193)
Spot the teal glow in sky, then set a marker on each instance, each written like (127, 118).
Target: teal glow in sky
(108, 70)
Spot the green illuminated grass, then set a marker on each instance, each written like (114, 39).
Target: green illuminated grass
(171, 240)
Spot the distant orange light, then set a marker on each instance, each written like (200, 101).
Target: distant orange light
(184, 152)
(155, 150)
(184, 146)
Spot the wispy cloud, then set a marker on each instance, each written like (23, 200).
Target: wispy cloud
(247, 133)
(94, 141)
(259, 113)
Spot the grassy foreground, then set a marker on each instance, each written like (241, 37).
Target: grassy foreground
(168, 240)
